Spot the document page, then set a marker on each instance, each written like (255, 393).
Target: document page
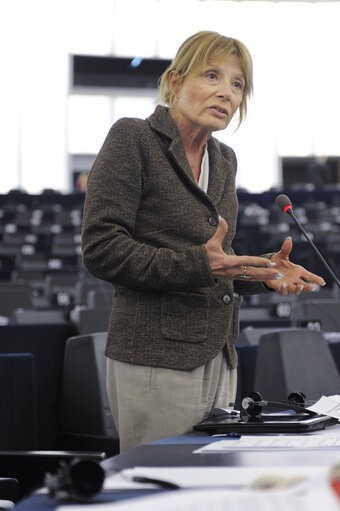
(273, 442)
(320, 497)
(213, 477)
(327, 405)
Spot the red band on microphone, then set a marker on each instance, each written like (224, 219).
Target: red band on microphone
(285, 209)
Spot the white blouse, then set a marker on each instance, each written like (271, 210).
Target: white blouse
(204, 175)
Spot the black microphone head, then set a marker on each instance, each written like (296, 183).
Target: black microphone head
(284, 203)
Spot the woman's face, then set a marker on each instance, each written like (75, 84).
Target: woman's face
(208, 100)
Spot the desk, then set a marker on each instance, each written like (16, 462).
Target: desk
(178, 451)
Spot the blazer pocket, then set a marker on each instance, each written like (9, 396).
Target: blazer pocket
(184, 316)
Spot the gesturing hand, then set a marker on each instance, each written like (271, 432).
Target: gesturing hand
(232, 266)
(295, 277)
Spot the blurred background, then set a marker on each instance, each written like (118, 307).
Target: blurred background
(56, 107)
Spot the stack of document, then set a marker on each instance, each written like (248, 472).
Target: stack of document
(273, 442)
(317, 495)
(231, 478)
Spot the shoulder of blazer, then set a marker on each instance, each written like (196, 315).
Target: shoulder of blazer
(158, 122)
(161, 122)
(221, 156)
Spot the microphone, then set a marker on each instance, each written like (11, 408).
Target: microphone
(284, 203)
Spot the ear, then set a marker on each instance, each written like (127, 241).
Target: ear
(175, 82)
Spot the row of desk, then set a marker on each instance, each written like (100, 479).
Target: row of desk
(178, 452)
(46, 343)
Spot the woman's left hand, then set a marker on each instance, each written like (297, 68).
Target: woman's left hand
(295, 277)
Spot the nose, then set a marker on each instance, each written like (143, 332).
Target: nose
(224, 91)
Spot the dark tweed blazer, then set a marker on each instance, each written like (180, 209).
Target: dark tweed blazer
(144, 229)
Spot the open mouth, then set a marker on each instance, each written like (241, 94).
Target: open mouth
(219, 109)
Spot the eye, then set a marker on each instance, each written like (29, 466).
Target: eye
(211, 75)
(239, 85)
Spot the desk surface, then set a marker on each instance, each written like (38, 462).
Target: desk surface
(178, 451)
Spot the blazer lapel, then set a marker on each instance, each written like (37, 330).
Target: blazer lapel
(161, 122)
(219, 166)
(218, 172)
(178, 156)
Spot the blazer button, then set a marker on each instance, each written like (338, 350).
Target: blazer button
(213, 221)
(226, 299)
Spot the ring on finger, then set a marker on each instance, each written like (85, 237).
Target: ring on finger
(245, 276)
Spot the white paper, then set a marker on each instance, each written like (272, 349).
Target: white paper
(220, 500)
(314, 492)
(265, 442)
(327, 405)
(6, 504)
(201, 477)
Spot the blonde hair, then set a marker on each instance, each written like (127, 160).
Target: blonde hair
(194, 54)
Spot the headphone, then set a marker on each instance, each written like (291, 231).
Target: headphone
(252, 406)
(78, 480)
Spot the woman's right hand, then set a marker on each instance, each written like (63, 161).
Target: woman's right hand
(231, 266)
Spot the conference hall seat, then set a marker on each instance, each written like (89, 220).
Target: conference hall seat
(87, 284)
(38, 317)
(9, 249)
(65, 244)
(59, 288)
(101, 296)
(295, 360)
(9, 492)
(88, 321)
(11, 299)
(317, 314)
(316, 209)
(85, 419)
(332, 251)
(31, 262)
(69, 219)
(15, 239)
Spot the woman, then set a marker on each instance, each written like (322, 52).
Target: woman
(160, 217)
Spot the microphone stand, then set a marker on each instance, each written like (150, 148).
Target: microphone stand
(290, 212)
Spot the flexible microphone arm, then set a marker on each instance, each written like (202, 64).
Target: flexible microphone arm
(284, 203)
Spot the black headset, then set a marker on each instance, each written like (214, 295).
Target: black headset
(78, 480)
(252, 406)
